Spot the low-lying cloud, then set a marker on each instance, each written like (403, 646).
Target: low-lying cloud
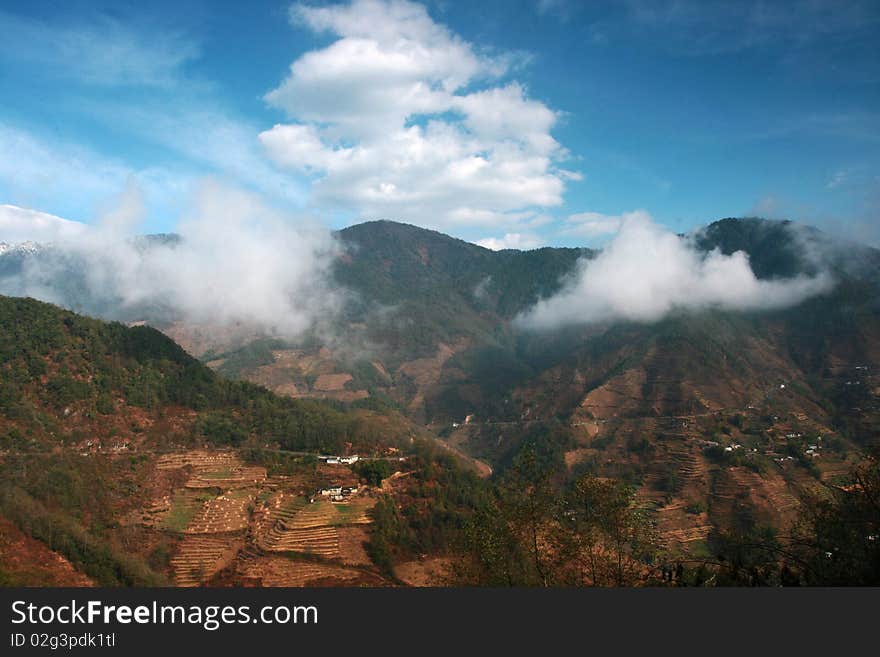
(647, 272)
(236, 263)
(521, 241)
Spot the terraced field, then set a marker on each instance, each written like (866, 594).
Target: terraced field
(232, 515)
(227, 477)
(351, 545)
(321, 541)
(175, 512)
(313, 528)
(678, 528)
(199, 557)
(225, 513)
(281, 571)
(200, 459)
(212, 525)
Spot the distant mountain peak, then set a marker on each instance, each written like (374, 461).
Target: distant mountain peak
(21, 248)
(396, 228)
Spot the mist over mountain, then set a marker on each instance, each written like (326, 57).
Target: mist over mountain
(445, 327)
(284, 282)
(233, 262)
(646, 273)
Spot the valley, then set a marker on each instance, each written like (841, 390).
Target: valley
(716, 425)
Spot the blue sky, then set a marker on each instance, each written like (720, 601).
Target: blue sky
(513, 123)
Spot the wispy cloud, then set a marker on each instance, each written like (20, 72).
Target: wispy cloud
(855, 124)
(100, 51)
(210, 138)
(561, 9)
(74, 180)
(699, 27)
(127, 78)
(595, 224)
(838, 179)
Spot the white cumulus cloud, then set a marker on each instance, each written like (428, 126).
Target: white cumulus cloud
(647, 272)
(400, 118)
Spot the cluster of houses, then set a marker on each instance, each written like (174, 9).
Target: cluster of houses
(89, 447)
(812, 450)
(337, 460)
(335, 493)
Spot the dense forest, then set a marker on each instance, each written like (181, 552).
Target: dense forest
(57, 364)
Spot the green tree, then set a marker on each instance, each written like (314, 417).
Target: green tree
(608, 539)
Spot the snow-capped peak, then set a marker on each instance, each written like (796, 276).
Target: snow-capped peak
(22, 248)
